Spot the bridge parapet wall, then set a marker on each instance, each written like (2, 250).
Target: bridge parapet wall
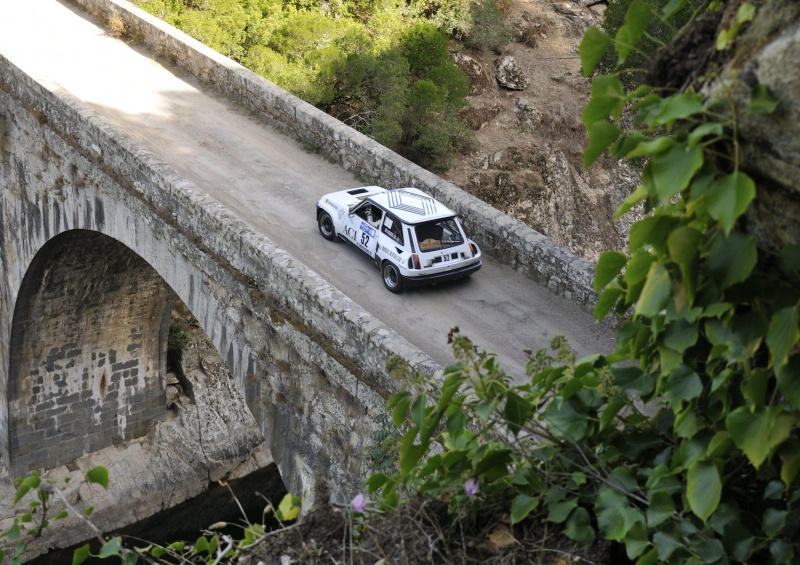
(311, 363)
(506, 239)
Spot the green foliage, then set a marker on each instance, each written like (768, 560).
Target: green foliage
(356, 60)
(425, 47)
(714, 332)
(178, 337)
(288, 509)
(638, 28)
(209, 548)
(684, 444)
(488, 31)
(380, 453)
(39, 492)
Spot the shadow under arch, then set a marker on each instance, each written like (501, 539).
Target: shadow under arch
(88, 351)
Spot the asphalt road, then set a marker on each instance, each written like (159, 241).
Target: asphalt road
(272, 183)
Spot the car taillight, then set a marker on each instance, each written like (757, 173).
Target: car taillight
(413, 261)
(473, 248)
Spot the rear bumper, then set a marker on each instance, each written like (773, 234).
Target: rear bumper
(442, 277)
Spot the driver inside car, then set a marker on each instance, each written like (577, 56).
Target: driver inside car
(374, 217)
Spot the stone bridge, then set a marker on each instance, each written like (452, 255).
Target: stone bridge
(97, 236)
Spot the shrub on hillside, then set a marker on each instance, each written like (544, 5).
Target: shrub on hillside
(488, 32)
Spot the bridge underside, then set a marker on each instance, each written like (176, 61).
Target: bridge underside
(88, 351)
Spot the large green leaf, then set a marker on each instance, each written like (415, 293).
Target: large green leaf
(782, 336)
(790, 461)
(636, 196)
(81, 554)
(593, 45)
(660, 507)
(494, 464)
(607, 99)
(602, 135)
(673, 169)
(410, 453)
(774, 520)
(609, 413)
(517, 411)
(615, 516)
(565, 420)
(666, 545)
(757, 433)
(110, 548)
(521, 506)
(633, 380)
(709, 550)
(682, 245)
(731, 260)
(655, 293)
(606, 301)
(649, 147)
(761, 101)
(680, 335)
(683, 383)
(701, 131)
(559, 511)
(636, 20)
(608, 267)
(636, 540)
(728, 197)
(651, 231)
(579, 527)
(789, 380)
(678, 107)
(703, 488)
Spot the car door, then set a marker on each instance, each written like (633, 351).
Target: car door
(365, 222)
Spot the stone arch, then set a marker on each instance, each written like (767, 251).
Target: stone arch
(88, 351)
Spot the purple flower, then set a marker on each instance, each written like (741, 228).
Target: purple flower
(359, 503)
(471, 487)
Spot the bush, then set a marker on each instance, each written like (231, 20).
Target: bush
(178, 338)
(354, 61)
(488, 31)
(684, 443)
(425, 47)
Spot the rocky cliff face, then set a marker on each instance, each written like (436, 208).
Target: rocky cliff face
(525, 106)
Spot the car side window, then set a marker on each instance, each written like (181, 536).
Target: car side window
(393, 228)
(371, 214)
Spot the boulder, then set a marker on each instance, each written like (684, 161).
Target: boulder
(509, 75)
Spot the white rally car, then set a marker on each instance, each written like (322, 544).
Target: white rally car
(412, 238)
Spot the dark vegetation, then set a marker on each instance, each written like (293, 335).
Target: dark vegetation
(384, 69)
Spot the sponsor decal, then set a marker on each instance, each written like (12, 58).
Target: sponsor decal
(332, 204)
(390, 253)
(368, 229)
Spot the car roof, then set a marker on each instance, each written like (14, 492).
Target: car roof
(411, 205)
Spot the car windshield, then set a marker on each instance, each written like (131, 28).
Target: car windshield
(439, 234)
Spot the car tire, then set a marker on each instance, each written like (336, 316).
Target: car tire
(325, 223)
(392, 279)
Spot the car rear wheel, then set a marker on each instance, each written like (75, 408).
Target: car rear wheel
(326, 229)
(392, 279)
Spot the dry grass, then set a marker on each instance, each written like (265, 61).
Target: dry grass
(116, 26)
(420, 533)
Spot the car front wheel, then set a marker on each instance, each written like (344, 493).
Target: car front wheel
(392, 279)
(326, 229)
